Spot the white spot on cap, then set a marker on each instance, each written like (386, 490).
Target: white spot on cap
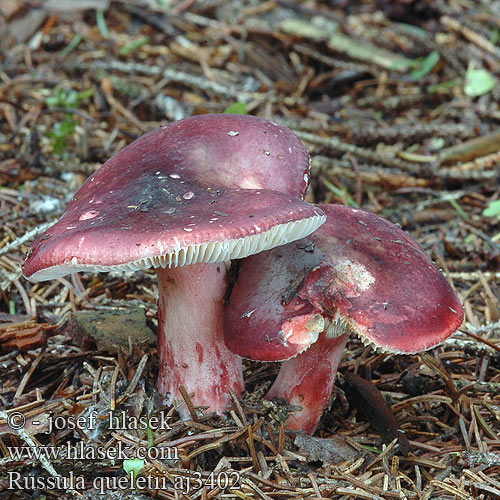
(188, 195)
(232, 133)
(353, 272)
(175, 176)
(250, 183)
(286, 335)
(70, 227)
(89, 215)
(188, 229)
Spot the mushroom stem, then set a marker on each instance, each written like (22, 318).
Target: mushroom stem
(307, 381)
(191, 347)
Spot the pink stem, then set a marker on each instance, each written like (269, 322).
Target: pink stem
(307, 381)
(191, 347)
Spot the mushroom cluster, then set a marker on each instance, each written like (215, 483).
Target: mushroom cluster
(184, 199)
(188, 198)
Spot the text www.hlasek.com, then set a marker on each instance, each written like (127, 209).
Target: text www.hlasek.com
(83, 451)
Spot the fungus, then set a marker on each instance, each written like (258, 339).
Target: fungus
(193, 193)
(357, 273)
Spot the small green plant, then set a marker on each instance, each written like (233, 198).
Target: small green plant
(478, 81)
(150, 437)
(495, 36)
(470, 238)
(130, 47)
(60, 131)
(72, 45)
(237, 108)
(71, 99)
(444, 85)
(493, 209)
(454, 203)
(424, 66)
(343, 194)
(133, 466)
(101, 23)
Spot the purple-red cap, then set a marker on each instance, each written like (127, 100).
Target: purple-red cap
(185, 193)
(359, 273)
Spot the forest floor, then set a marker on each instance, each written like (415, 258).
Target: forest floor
(398, 105)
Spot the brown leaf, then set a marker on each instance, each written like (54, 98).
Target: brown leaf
(368, 398)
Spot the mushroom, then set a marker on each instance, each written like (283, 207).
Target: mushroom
(357, 273)
(184, 199)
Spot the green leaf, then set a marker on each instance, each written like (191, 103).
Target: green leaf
(56, 99)
(67, 99)
(444, 85)
(71, 45)
(343, 194)
(414, 30)
(85, 94)
(59, 133)
(130, 47)
(493, 209)
(101, 23)
(134, 466)
(71, 99)
(458, 209)
(150, 436)
(495, 36)
(237, 108)
(425, 66)
(478, 81)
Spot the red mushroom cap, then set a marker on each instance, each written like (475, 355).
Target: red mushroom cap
(266, 319)
(223, 150)
(175, 197)
(359, 272)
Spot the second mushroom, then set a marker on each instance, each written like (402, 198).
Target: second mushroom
(358, 273)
